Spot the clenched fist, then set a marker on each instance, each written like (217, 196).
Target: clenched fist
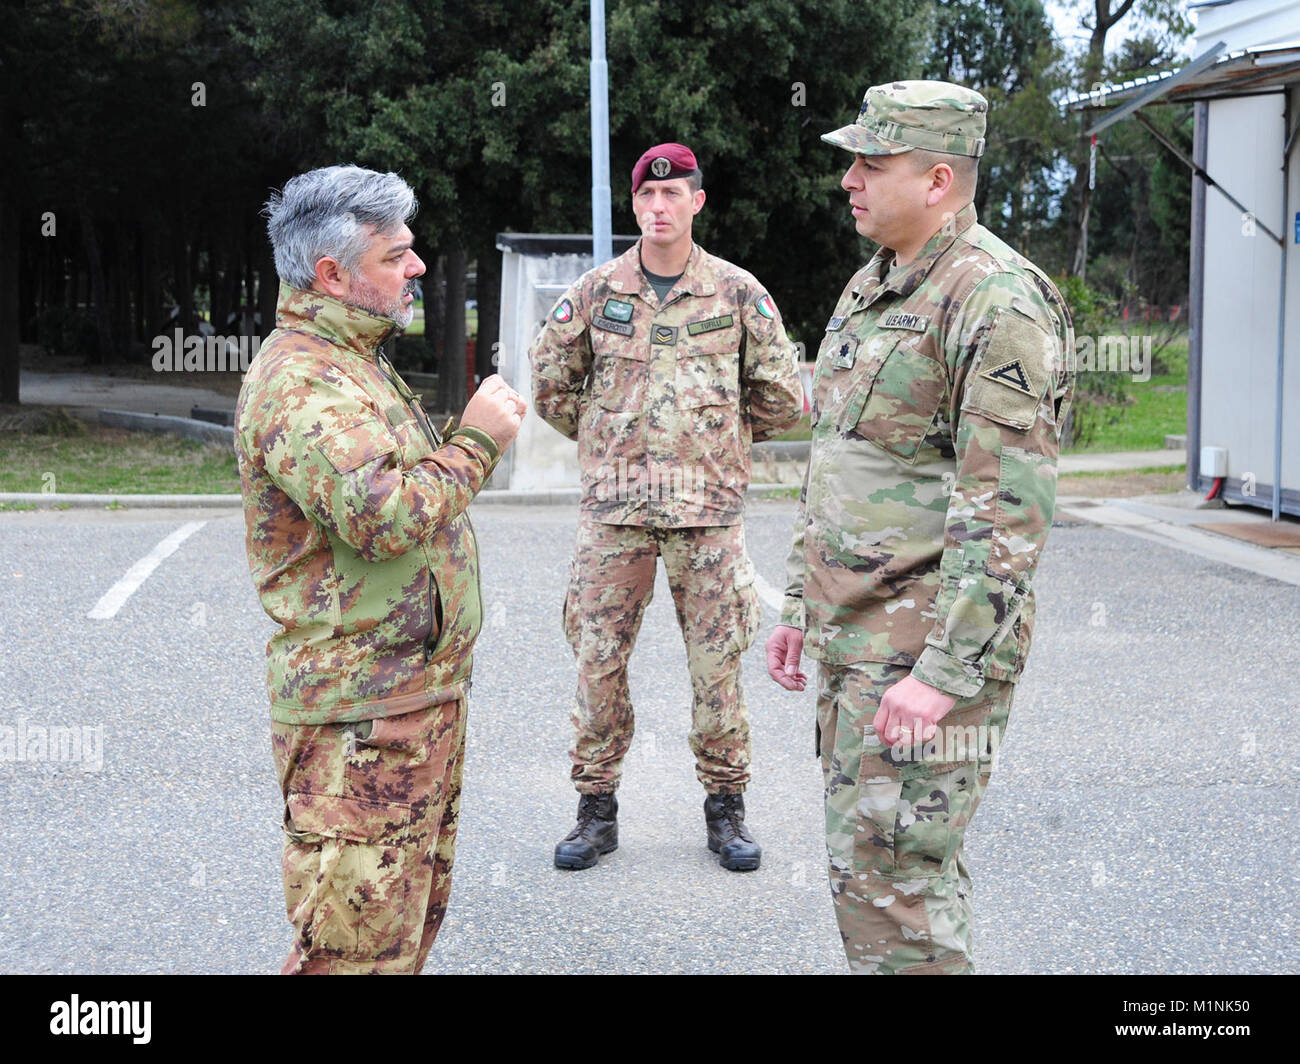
(497, 409)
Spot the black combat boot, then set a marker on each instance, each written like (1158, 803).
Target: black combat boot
(724, 816)
(596, 832)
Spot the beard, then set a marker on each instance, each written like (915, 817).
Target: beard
(371, 299)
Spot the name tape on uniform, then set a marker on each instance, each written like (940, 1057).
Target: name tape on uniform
(900, 320)
(709, 325)
(602, 322)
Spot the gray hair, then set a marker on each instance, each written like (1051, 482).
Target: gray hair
(325, 212)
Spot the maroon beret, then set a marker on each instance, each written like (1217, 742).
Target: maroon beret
(662, 162)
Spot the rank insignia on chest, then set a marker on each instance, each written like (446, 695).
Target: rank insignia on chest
(663, 334)
(563, 311)
(845, 353)
(620, 327)
(618, 310)
(709, 325)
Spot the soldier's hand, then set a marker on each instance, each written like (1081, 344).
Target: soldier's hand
(910, 711)
(784, 646)
(497, 409)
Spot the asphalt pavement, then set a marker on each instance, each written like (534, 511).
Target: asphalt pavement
(1142, 814)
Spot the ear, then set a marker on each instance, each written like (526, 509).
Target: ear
(331, 278)
(941, 182)
(697, 201)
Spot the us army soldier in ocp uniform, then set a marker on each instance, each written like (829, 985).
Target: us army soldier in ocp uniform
(941, 386)
(361, 550)
(665, 364)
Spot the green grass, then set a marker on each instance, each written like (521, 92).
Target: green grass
(1128, 472)
(114, 461)
(1142, 424)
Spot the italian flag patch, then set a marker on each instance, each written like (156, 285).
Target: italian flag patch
(765, 306)
(563, 311)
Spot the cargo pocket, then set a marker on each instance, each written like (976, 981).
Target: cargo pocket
(905, 821)
(619, 376)
(896, 408)
(354, 906)
(749, 607)
(708, 376)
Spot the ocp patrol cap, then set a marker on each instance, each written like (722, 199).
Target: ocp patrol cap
(662, 163)
(900, 116)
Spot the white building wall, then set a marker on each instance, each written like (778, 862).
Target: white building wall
(1239, 334)
(1248, 24)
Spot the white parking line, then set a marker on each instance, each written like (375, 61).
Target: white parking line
(770, 595)
(113, 598)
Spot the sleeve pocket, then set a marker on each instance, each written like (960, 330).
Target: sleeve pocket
(353, 447)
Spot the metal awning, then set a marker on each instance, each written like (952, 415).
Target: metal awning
(1213, 75)
(1244, 72)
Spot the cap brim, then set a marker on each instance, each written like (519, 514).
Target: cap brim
(857, 140)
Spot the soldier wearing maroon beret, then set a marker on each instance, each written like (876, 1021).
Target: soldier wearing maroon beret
(665, 365)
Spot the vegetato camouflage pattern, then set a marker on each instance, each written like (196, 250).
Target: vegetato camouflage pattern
(358, 538)
(896, 819)
(370, 836)
(665, 399)
(940, 389)
(611, 583)
(900, 116)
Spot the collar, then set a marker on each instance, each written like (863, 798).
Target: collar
(904, 280)
(628, 276)
(305, 310)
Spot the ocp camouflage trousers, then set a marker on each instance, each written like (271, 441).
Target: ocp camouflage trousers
(896, 819)
(370, 835)
(611, 583)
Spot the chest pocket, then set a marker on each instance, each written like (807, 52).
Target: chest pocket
(620, 370)
(708, 369)
(897, 406)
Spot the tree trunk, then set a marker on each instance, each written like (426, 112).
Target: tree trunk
(98, 293)
(489, 310)
(451, 372)
(9, 258)
(1080, 193)
(435, 302)
(268, 287)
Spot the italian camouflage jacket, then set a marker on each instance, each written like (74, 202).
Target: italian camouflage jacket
(358, 538)
(666, 398)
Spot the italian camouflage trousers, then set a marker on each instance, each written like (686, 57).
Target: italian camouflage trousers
(370, 835)
(896, 818)
(611, 583)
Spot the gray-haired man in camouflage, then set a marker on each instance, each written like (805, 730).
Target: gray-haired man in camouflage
(940, 389)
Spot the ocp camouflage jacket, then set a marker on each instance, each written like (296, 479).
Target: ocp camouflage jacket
(666, 398)
(358, 538)
(940, 390)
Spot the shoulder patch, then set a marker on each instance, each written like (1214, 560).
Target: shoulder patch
(563, 311)
(765, 306)
(1011, 374)
(1013, 369)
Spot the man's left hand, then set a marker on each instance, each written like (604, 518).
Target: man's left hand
(910, 710)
